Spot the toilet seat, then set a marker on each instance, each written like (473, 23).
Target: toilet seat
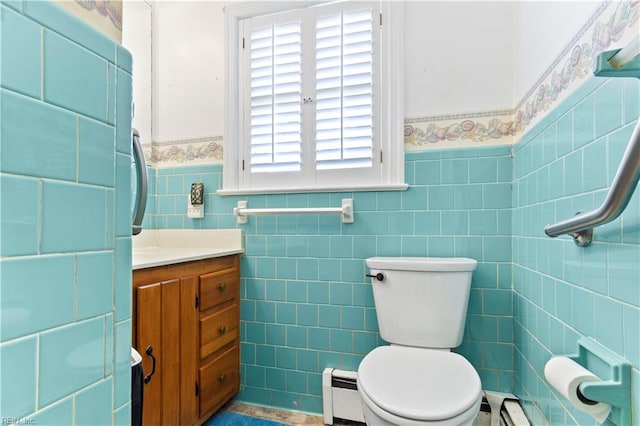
(420, 384)
(380, 417)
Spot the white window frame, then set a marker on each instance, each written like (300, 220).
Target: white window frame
(391, 132)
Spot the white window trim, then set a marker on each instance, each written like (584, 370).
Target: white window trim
(392, 98)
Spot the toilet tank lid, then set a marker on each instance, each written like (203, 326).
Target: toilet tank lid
(435, 264)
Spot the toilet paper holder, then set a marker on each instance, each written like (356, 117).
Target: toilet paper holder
(615, 387)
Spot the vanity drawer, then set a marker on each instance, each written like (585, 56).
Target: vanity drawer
(218, 329)
(219, 379)
(218, 287)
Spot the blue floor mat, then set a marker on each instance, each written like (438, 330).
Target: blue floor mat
(234, 419)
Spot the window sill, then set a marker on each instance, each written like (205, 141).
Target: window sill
(298, 190)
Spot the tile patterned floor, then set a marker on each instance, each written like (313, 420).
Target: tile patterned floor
(283, 416)
(295, 418)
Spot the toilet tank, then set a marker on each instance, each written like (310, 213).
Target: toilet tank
(422, 301)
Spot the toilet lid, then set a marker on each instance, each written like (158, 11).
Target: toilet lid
(419, 384)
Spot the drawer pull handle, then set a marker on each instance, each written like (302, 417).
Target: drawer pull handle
(222, 378)
(223, 286)
(222, 329)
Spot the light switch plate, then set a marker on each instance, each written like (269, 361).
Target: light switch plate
(194, 211)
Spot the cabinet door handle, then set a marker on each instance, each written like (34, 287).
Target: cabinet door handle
(222, 329)
(149, 352)
(223, 286)
(222, 378)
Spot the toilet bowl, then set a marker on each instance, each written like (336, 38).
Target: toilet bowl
(421, 306)
(402, 385)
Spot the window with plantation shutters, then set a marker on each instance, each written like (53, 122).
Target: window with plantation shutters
(310, 108)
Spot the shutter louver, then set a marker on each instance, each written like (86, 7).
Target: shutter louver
(276, 116)
(344, 87)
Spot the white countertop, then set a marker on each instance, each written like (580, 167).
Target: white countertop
(157, 247)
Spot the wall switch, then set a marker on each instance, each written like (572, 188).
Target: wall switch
(194, 211)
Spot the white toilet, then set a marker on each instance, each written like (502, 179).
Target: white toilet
(421, 305)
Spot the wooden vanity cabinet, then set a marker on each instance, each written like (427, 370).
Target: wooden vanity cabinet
(189, 314)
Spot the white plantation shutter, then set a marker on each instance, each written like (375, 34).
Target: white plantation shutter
(275, 113)
(344, 90)
(309, 107)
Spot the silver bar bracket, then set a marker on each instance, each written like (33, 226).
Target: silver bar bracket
(241, 219)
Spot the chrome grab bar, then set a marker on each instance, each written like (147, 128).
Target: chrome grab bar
(141, 181)
(623, 62)
(625, 181)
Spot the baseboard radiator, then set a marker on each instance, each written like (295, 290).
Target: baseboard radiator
(511, 414)
(340, 397)
(501, 409)
(341, 401)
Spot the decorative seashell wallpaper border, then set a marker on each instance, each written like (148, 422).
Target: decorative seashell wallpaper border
(611, 23)
(565, 75)
(488, 128)
(191, 151)
(103, 15)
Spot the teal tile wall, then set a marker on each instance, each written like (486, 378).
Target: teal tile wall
(95, 284)
(58, 414)
(90, 408)
(67, 226)
(97, 148)
(19, 222)
(65, 223)
(71, 358)
(22, 64)
(18, 363)
(561, 292)
(37, 139)
(80, 88)
(306, 304)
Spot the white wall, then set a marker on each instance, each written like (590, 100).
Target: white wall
(460, 56)
(542, 29)
(136, 37)
(188, 70)
(457, 57)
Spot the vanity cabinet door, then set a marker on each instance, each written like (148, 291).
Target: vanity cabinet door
(189, 314)
(148, 318)
(167, 321)
(158, 325)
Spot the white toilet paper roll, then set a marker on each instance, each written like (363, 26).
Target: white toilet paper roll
(565, 375)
